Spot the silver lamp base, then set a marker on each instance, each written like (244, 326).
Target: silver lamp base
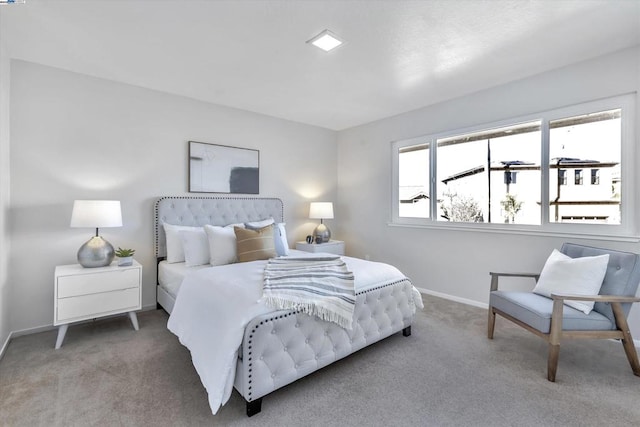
(97, 252)
(321, 234)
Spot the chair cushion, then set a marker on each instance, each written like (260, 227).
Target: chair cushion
(535, 310)
(565, 275)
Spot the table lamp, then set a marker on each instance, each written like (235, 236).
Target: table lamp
(97, 252)
(321, 210)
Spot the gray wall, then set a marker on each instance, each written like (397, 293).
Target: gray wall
(4, 186)
(456, 263)
(79, 137)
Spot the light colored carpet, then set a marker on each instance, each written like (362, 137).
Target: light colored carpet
(446, 374)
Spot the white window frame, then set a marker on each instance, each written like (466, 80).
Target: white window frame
(626, 231)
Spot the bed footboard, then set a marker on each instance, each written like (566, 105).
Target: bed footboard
(281, 347)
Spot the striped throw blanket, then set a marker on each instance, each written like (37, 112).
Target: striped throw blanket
(319, 286)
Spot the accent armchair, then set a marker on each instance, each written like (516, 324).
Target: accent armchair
(552, 320)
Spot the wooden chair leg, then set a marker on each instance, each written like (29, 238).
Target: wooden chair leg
(632, 355)
(491, 323)
(555, 335)
(552, 362)
(627, 341)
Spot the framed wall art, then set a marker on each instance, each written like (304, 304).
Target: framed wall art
(217, 168)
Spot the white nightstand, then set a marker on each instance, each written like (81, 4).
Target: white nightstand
(88, 293)
(332, 247)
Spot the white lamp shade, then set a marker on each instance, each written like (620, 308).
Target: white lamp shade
(96, 214)
(321, 210)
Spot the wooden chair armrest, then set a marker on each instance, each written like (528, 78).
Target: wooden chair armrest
(596, 298)
(496, 275)
(535, 275)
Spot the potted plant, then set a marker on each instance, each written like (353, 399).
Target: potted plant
(125, 256)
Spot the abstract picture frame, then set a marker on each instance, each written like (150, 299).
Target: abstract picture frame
(215, 168)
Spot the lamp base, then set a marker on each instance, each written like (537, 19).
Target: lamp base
(97, 252)
(321, 234)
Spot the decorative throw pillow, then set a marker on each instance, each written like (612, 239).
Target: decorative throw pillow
(562, 274)
(175, 248)
(279, 234)
(196, 247)
(253, 245)
(222, 244)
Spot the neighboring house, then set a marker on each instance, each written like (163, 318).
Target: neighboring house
(414, 201)
(584, 190)
(580, 190)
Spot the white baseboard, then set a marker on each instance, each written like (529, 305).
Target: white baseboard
(454, 298)
(44, 328)
(15, 334)
(5, 345)
(466, 301)
(34, 330)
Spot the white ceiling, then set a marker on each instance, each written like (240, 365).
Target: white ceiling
(399, 55)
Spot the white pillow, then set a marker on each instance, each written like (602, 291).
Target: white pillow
(259, 224)
(175, 248)
(196, 247)
(279, 234)
(222, 244)
(562, 274)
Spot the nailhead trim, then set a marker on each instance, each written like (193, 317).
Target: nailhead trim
(384, 286)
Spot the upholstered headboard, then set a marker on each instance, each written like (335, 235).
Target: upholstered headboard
(215, 210)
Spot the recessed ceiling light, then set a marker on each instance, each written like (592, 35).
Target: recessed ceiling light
(326, 41)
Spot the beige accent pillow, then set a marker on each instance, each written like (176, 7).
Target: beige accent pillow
(253, 245)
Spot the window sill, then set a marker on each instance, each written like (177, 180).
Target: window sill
(497, 229)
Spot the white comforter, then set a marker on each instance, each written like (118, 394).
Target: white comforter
(215, 304)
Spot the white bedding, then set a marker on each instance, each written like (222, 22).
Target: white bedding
(215, 304)
(170, 275)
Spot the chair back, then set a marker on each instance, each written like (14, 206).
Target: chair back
(622, 276)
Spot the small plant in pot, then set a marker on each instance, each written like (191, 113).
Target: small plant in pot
(125, 256)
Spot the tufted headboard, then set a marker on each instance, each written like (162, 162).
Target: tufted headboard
(215, 210)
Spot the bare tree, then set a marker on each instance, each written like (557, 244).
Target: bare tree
(460, 208)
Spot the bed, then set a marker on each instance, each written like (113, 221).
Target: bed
(274, 347)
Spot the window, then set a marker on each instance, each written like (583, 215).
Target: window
(476, 175)
(591, 140)
(413, 181)
(578, 177)
(562, 176)
(514, 175)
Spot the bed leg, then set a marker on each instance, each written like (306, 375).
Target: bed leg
(254, 407)
(406, 332)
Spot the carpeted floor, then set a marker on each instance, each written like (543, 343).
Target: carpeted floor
(446, 374)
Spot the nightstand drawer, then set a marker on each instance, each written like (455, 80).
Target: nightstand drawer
(91, 283)
(96, 305)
